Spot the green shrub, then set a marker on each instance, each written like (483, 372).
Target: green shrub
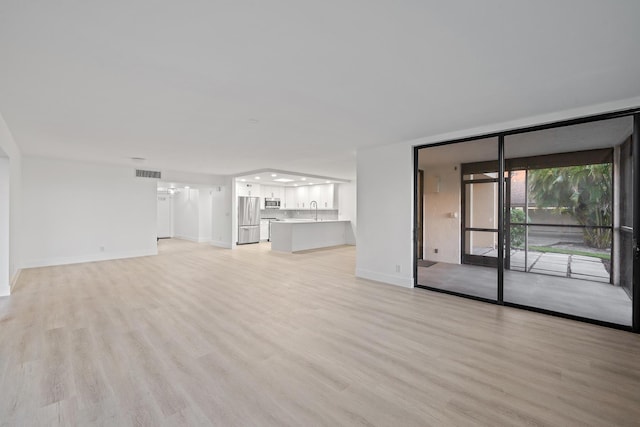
(517, 231)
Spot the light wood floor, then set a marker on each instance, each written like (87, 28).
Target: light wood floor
(205, 336)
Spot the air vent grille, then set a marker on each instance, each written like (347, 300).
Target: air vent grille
(148, 174)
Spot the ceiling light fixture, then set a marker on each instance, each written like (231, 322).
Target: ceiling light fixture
(328, 182)
(243, 180)
(303, 179)
(257, 177)
(274, 175)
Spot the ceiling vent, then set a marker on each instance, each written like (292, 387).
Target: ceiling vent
(148, 174)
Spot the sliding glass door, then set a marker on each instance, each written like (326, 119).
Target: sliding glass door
(545, 219)
(459, 211)
(560, 208)
(624, 232)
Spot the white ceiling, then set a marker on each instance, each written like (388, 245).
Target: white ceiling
(586, 136)
(275, 177)
(228, 86)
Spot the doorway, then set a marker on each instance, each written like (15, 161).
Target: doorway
(546, 219)
(165, 215)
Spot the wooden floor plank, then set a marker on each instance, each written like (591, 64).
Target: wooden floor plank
(205, 336)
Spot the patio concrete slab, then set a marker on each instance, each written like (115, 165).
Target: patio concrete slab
(591, 278)
(549, 272)
(589, 268)
(585, 258)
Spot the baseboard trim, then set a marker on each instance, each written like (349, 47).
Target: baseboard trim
(220, 244)
(389, 279)
(189, 238)
(14, 280)
(49, 262)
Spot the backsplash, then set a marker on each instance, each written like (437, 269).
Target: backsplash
(299, 214)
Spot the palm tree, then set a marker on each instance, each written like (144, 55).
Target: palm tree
(584, 192)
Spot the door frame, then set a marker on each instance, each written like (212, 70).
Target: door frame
(629, 112)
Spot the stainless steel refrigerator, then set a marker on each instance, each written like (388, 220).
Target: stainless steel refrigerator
(248, 220)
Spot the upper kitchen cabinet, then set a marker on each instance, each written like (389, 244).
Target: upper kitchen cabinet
(314, 195)
(271, 192)
(302, 197)
(328, 196)
(289, 201)
(243, 190)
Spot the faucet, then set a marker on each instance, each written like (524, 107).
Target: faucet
(313, 202)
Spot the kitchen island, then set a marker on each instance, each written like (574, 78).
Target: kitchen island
(291, 235)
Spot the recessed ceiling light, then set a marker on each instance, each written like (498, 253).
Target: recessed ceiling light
(328, 182)
(282, 180)
(274, 175)
(243, 180)
(303, 179)
(186, 187)
(257, 177)
(295, 185)
(311, 183)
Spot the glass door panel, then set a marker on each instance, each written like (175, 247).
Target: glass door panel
(560, 211)
(460, 218)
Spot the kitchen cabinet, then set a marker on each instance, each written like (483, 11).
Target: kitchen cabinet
(300, 197)
(325, 195)
(264, 229)
(289, 201)
(314, 195)
(271, 192)
(328, 197)
(244, 189)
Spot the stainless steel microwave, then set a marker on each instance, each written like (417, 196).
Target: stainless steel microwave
(271, 203)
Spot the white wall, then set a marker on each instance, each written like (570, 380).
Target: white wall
(186, 215)
(79, 212)
(441, 231)
(165, 215)
(221, 214)
(347, 205)
(385, 195)
(204, 217)
(385, 214)
(192, 214)
(12, 152)
(5, 224)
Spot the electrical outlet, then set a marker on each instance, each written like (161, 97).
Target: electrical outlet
(435, 251)
(397, 268)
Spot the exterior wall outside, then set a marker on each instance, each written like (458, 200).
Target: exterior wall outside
(441, 226)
